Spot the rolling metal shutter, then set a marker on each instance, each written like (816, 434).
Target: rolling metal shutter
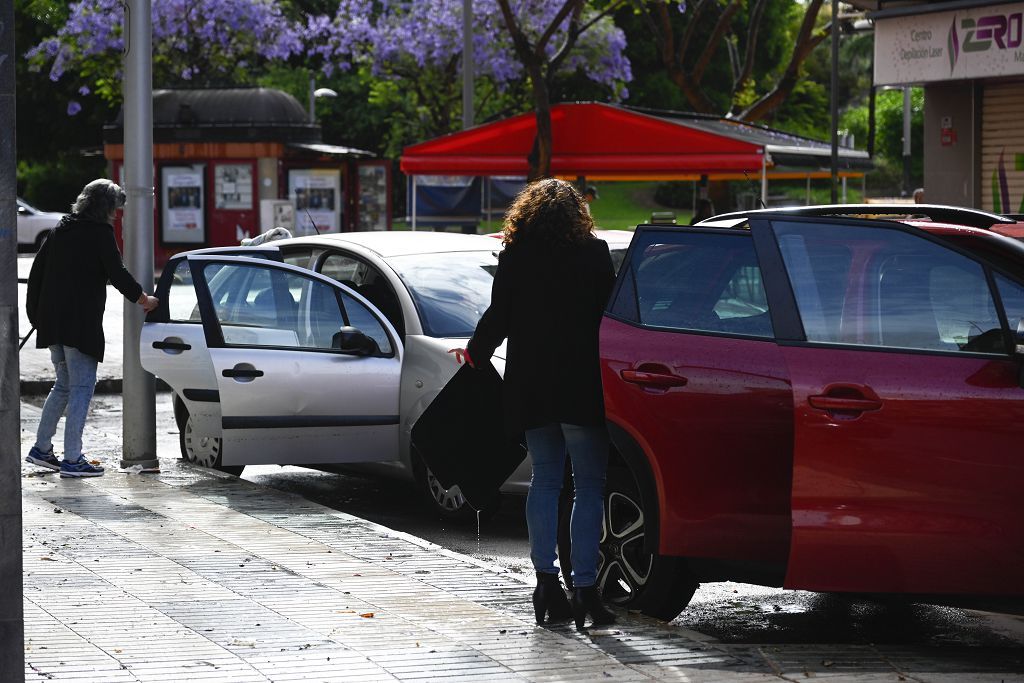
(1002, 147)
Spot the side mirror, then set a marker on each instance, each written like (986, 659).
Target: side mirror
(352, 340)
(22, 211)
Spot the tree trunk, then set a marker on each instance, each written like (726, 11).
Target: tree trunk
(540, 155)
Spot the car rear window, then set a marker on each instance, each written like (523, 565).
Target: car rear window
(699, 281)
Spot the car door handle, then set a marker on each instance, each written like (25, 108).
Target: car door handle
(242, 373)
(848, 398)
(654, 380)
(170, 345)
(857, 405)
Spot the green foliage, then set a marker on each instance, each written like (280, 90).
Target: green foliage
(888, 157)
(52, 185)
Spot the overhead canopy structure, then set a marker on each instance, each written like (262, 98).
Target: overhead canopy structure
(608, 142)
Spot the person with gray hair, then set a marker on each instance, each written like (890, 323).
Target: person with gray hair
(67, 293)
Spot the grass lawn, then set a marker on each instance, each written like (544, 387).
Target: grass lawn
(621, 206)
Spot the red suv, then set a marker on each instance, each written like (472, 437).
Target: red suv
(816, 402)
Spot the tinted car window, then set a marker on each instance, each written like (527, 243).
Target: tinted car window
(1012, 294)
(879, 286)
(697, 281)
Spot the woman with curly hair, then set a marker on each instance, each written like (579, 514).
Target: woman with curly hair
(553, 280)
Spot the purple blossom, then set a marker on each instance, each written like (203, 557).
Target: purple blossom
(225, 31)
(399, 36)
(73, 108)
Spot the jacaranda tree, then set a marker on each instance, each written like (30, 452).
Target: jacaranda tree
(195, 43)
(415, 46)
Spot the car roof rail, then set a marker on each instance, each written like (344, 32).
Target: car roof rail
(939, 213)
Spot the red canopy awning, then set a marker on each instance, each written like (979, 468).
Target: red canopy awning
(590, 139)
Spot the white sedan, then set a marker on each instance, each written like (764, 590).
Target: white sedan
(34, 225)
(267, 368)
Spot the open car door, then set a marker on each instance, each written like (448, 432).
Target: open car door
(907, 471)
(306, 371)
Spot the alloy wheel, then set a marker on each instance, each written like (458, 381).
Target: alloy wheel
(449, 500)
(623, 566)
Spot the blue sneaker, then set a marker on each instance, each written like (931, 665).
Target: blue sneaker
(80, 468)
(43, 459)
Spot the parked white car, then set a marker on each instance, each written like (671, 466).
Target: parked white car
(259, 347)
(34, 225)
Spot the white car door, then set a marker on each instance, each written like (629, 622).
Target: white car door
(293, 387)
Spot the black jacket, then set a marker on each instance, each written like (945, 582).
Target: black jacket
(67, 286)
(548, 302)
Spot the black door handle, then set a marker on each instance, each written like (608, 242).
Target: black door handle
(172, 345)
(242, 373)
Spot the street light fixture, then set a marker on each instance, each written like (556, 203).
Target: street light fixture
(314, 93)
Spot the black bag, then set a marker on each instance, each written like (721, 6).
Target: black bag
(461, 436)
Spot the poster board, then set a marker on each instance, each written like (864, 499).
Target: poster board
(316, 194)
(232, 187)
(373, 211)
(183, 202)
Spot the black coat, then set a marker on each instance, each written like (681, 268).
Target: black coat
(67, 286)
(548, 302)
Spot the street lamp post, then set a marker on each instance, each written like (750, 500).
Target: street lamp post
(138, 386)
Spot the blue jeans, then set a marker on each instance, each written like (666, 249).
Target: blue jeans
(588, 451)
(76, 381)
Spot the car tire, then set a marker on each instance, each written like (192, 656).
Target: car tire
(448, 503)
(205, 451)
(629, 576)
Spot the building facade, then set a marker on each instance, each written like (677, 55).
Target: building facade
(969, 57)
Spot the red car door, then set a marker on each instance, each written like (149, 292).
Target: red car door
(692, 372)
(908, 414)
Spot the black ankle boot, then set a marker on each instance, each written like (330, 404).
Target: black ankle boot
(587, 600)
(548, 597)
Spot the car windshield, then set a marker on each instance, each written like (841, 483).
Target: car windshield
(451, 289)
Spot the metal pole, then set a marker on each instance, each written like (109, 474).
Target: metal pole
(414, 203)
(12, 628)
(764, 179)
(834, 97)
(139, 390)
(312, 99)
(906, 140)
(467, 63)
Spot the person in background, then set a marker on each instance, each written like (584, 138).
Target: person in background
(705, 209)
(919, 195)
(590, 194)
(67, 293)
(553, 281)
